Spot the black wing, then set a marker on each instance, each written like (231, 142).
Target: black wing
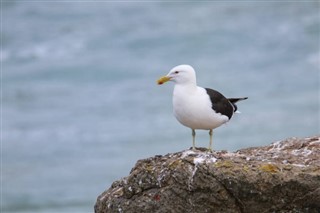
(235, 100)
(220, 104)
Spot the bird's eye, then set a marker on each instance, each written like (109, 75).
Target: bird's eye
(176, 72)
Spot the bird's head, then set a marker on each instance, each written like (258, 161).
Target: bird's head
(182, 74)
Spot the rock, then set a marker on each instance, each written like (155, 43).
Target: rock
(281, 177)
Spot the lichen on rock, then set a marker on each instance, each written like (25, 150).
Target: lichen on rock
(281, 177)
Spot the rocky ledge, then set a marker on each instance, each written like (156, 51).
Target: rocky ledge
(281, 177)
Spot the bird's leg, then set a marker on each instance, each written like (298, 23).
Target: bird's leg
(210, 143)
(193, 139)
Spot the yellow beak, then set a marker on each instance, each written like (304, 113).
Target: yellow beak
(163, 79)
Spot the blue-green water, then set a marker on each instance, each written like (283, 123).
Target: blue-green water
(80, 104)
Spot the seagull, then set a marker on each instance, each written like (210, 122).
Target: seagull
(197, 107)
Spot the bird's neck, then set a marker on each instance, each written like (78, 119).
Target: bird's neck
(189, 87)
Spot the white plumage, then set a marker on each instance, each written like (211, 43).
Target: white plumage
(192, 108)
(197, 107)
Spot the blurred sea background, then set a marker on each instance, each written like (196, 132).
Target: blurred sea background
(80, 104)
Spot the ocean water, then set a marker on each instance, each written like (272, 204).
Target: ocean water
(80, 104)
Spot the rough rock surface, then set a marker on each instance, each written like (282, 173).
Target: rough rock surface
(281, 177)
